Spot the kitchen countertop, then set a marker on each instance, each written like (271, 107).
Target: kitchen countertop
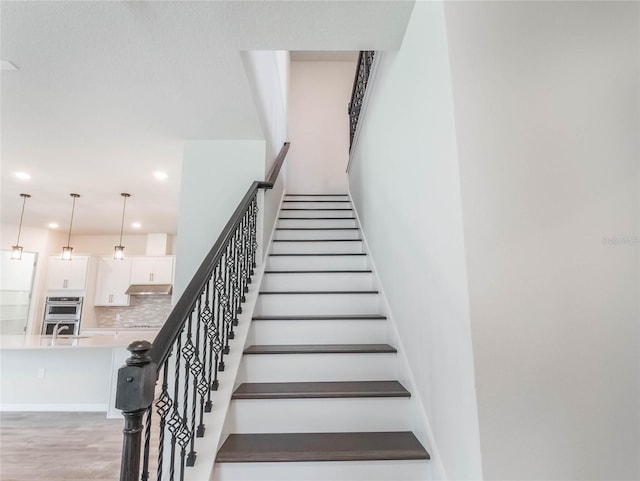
(117, 339)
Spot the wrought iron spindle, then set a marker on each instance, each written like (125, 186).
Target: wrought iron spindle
(235, 279)
(147, 444)
(191, 368)
(228, 315)
(245, 255)
(220, 307)
(163, 406)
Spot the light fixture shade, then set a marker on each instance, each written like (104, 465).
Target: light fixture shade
(16, 253)
(119, 253)
(67, 252)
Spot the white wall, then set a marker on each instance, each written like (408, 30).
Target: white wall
(404, 181)
(215, 177)
(319, 126)
(268, 75)
(547, 117)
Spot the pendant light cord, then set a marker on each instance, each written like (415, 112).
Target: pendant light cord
(124, 206)
(73, 208)
(24, 201)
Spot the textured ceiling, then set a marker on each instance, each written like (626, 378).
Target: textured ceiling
(107, 92)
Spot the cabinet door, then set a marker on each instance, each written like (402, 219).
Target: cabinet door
(77, 280)
(112, 282)
(142, 270)
(67, 275)
(163, 270)
(152, 270)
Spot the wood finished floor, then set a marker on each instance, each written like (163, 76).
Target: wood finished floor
(59, 446)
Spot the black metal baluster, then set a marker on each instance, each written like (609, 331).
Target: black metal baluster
(147, 445)
(228, 315)
(175, 422)
(188, 351)
(214, 335)
(245, 254)
(235, 281)
(163, 406)
(207, 362)
(254, 227)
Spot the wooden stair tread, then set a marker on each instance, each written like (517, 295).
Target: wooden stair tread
(316, 240)
(331, 317)
(314, 390)
(322, 254)
(316, 195)
(317, 228)
(319, 200)
(319, 348)
(316, 292)
(312, 208)
(336, 271)
(291, 447)
(316, 218)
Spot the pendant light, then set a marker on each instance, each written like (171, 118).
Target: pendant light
(119, 249)
(67, 250)
(16, 250)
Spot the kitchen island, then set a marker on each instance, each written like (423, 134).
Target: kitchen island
(69, 373)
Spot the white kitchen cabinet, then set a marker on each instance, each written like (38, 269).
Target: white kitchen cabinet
(67, 275)
(152, 270)
(112, 281)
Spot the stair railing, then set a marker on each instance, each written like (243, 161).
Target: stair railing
(188, 352)
(363, 69)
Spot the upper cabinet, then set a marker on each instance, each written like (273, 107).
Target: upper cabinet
(152, 270)
(112, 281)
(67, 275)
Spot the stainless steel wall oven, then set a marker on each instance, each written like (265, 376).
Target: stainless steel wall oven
(63, 312)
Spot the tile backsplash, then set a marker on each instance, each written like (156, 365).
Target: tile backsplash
(143, 311)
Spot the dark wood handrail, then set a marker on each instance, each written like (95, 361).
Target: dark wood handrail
(171, 329)
(275, 168)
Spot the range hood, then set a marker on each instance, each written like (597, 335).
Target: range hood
(149, 289)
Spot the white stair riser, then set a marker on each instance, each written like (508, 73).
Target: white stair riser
(410, 470)
(314, 197)
(319, 332)
(317, 234)
(297, 263)
(315, 213)
(314, 204)
(316, 222)
(320, 304)
(319, 415)
(317, 367)
(318, 281)
(326, 247)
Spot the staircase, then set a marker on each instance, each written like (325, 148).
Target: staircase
(318, 398)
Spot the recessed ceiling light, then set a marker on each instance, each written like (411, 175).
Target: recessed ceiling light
(160, 175)
(53, 225)
(6, 65)
(21, 175)
(136, 225)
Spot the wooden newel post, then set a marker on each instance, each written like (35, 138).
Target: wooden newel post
(134, 395)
